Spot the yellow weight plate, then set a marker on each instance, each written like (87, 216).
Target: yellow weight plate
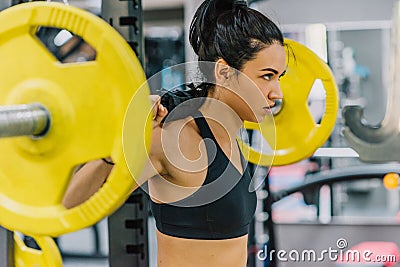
(293, 134)
(87, 102)
(47, 256)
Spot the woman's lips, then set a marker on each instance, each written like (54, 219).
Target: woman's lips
(267, 110)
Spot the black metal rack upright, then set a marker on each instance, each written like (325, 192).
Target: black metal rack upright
(127, 227)
(6, 248)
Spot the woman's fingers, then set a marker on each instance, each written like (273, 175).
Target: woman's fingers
(155, 102)
(161, 113)
(158, 110)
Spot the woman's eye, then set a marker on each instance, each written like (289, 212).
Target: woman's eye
(268, 77)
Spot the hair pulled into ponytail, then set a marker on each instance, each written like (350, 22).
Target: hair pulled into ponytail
(202, 28)
(229, 30)
(232, 31)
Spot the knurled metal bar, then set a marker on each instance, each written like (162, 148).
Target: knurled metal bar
(20, 120)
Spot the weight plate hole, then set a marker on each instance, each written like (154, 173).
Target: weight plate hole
(65, 46)
(317, 101)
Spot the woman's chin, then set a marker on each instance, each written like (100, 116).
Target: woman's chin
(255, 118)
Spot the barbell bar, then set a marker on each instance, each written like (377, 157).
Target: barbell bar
(22, 120)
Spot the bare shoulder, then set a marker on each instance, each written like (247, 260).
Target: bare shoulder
(182, 146)
(184, 161)
(180, 134)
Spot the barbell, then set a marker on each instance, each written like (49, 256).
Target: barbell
(57, 116)
(72, 113)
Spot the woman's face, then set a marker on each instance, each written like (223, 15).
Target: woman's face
(257, 85)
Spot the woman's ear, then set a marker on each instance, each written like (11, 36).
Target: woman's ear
(222, 71)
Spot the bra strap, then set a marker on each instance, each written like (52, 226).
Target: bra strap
(204, 128)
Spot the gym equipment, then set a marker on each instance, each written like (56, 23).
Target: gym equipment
(292, 133)
(352, 173)
(47, 256)
(74, 113)
(128, 239)
(310, 189)
(379, 143)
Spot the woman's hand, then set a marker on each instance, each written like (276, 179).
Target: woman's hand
(153, 165)
(158, 110)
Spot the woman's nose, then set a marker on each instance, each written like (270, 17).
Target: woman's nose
(276, 92)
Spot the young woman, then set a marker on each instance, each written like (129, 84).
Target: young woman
(199, 185)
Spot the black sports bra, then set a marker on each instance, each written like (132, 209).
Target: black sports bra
(221, 208)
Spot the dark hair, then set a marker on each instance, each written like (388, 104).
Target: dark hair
(229, 30)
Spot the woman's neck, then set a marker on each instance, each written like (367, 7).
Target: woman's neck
(214, 108)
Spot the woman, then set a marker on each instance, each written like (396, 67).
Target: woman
(200, 220)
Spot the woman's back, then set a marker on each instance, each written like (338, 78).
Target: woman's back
(210, 222)
(221, 207)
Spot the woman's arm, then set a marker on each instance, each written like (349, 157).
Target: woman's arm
(85, 182)
(89, 179)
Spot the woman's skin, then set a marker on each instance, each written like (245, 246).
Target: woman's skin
(243, 102)
(93, 174)
(178, 162)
